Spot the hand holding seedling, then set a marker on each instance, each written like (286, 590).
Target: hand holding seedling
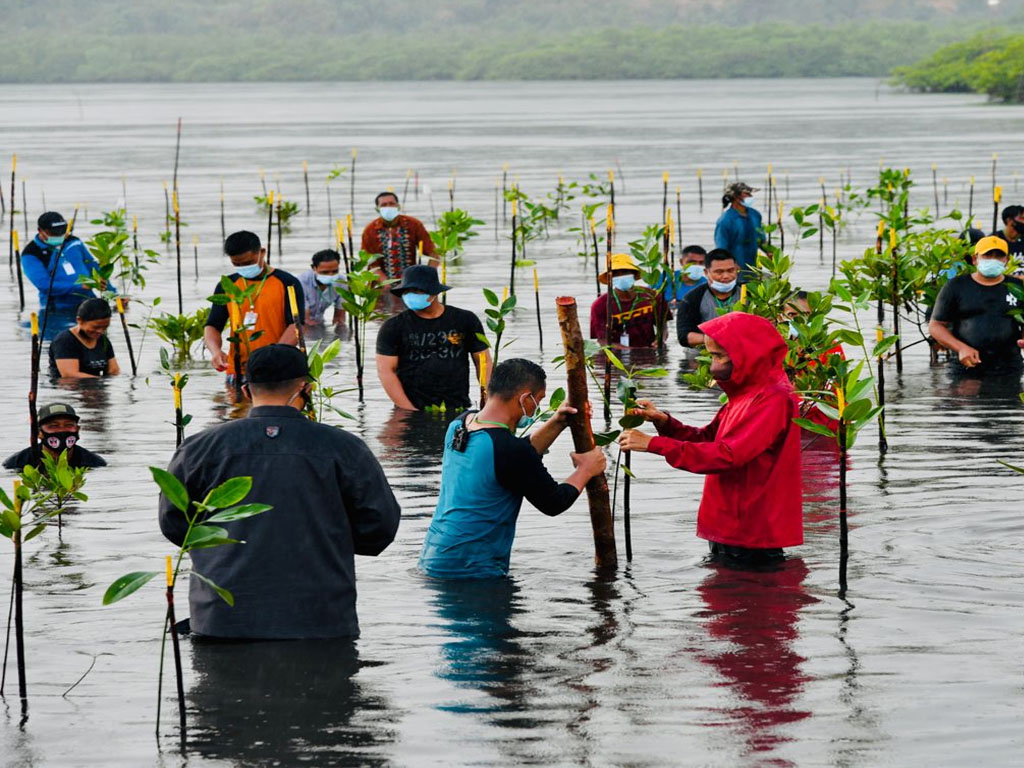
(634, 440)
(649, 412)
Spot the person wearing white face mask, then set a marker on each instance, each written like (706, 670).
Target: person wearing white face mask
(706, 302)
(971, 315)
(423, 353)
(320, 287)
(635, 309)
(396, 239)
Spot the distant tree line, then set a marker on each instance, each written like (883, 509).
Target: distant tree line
(990, 62)
(65, 54)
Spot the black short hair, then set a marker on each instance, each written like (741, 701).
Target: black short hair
(376, 200)
(726, 201)
(510, 376)
(93, 309)
(695, 249)
(326, 255)
(274, 387)
(1012, 212)
(242, 242)
(718, 254)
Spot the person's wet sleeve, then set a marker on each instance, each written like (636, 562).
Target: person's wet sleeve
(218, 317)
(519, 468)
(35, 271)
(768, 421)
(373, 511)
(945, 310)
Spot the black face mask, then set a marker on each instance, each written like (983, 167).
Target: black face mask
(59, 441)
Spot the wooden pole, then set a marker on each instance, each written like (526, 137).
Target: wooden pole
(235, 316)
(896, 301)
(700, 190)
(127, 336)
(512, 271)
(177, 154)
(33, 389)
(280, 249)
(626, 528)
(293, 305)
(883, 443)
(17, 266)
(605, 555)
(609, 227)
(270, 222)
(664, 196)
(177, 248)
(19, 616)
(176, 647)
(878, 252)
(844, 530)
(10, 242)
(305, 182)
(997, 196)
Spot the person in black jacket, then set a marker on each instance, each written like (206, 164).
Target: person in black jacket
(58, 432)
(711, 299)
(294, 577)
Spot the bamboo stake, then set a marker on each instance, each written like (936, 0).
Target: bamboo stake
(305, 183)
(605, 555)
(33, 418)
(536, 297)
(883, 443)
(782, 228)
(878, 252)
(179, 428)
(175, 647)
(352, 187)
(896, 301)
(679, 217)
(700, 190)
(177, 154)
(235, 316)
(167, 214)
(17, 266)
(512, 273)
(626, 528)
(995, 158)
(844, 530)
(270, 222)
(19, 616)
(597, 256)
(280, 249)
(997, 196)
(664, 195)
(127, 336)
(177, 247)
(10, 242)
(609, 228)
(611, 187)
(293, 305)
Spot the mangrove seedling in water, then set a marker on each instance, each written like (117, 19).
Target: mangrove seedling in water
(323, 396)
(454, 229)
(359, 296)
(222, 504)
(182, 332)
(285, 209)
(496, 313)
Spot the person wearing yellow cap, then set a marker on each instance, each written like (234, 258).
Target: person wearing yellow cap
(972, 314)
(635, 309)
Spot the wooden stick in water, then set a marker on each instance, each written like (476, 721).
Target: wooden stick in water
(10, 242)
(883, 443)
(997, 196)
(177, 247)
(179, 428)
(293, 305)
(195, 254)
(609, 228)
(536, 297)
(844, 530)
(679, 219)
(235, 316)
(176, 647)
(700, 190)
(305, 183)
(605, 555)
(127, 336)
(270, 222)
(33, 419)
(512, 273)
(17, 266)
(626, 529)
(664, 195)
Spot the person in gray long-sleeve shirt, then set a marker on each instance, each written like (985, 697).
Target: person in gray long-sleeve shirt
(294, 577)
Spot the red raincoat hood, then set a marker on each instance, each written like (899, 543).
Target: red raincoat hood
(755, 346)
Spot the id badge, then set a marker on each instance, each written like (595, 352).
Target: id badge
(250, 319)
(69, 269)
(624, 340)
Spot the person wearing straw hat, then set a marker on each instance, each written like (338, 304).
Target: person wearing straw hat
(423, 353)
(738, 229)
(58, 432)
(972, 315)
(635, 309)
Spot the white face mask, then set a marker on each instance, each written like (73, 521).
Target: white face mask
(389, 212)
(722, 287)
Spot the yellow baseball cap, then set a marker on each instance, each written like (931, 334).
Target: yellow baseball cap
(991, 243)
(620, 261)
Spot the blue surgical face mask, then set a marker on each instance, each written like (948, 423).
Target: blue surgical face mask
(250, 271)
(623, 282)
(526, 420)
(747, 201)
(326, 279)
(388, 212)
(991, 267)
(722, 287)
(693, 271)
(417, 302)
(55, 241)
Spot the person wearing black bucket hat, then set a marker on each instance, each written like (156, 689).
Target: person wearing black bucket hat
(423, 353)
(58, 432)
(295, 576)
(57, 283)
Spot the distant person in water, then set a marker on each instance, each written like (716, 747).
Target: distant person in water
(320, 288)
(84, 351)
(738, 230)
(58, 432)
(395, 239)
(750, 452)
(58, 284)
(1013, 229)
(423, 353)
(487, 471)
(635, 308)
(971, 315)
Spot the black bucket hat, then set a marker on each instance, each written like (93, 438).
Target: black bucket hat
(420, 277)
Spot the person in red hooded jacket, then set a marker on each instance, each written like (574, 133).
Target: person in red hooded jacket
(752, 505)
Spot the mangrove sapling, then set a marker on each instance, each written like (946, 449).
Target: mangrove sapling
(496, 313)
(454, 229)
(850, 406)
(222, 504)
(359, 296)
(322, 396)
(39, 496)
(655, 270)
(238, 301)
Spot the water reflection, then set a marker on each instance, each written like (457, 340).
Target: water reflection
(482, 650)
(414, 440)
(751, 625)
(285, 703)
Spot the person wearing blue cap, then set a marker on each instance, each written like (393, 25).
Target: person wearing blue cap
(423, 353)
(294, 578)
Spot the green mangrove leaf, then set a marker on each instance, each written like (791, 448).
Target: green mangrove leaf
(238, 513)
(812, 426)
(171, 487)
(35, 532)
(226, 596)
(631, 422)
(606, 438)
(206, 537)
(228, 493)
(127, 584)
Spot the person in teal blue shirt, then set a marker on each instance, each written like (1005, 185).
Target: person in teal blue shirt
(738, 230)
(487, 471)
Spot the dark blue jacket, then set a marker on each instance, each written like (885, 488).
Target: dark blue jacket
(75, 262)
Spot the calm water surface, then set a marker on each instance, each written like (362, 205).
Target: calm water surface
(673, 662)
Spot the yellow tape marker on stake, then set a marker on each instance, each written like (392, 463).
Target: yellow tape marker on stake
(35, 324)
(177, 391)
(293, 303)
(17, 241)
(170, 576)
(997, 194)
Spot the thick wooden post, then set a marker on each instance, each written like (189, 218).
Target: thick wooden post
(605, 555)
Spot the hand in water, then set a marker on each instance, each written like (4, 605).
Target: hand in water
(633, 440)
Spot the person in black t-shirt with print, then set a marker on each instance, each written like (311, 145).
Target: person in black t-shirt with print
(972, 314)
(84, 351)
(423, 353)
